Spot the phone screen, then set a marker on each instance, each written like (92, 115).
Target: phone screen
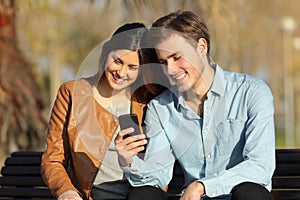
(130, 120)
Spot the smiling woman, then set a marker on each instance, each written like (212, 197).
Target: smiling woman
(121, 71)
(84, 120)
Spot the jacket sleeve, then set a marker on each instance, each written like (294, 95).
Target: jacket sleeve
(56, 158)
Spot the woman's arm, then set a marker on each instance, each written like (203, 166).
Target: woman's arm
(56, 158)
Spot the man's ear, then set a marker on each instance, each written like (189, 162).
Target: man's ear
(202, 44)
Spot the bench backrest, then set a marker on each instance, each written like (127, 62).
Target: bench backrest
(21, 177)
(286, 178)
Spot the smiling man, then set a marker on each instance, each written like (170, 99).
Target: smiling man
(219, 125)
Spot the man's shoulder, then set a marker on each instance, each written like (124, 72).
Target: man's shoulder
(245, 82)
(166, 97)
(241, 78)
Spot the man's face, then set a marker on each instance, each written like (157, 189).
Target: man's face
(182, 62)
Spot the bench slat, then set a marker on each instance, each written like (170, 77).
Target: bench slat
(21, 170)
(27, 153)
(281, 151)
(26, 192)
(23, 161)
(287, 170)
(22, 181)
(286, 195)
(287, 158)
(286, 183)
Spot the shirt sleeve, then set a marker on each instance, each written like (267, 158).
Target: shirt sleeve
(156, 167)
(258, 162)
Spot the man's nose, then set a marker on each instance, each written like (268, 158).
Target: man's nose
(171, 68)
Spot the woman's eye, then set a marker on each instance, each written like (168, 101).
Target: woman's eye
(163, 62)
(133, 67)
(117, 61)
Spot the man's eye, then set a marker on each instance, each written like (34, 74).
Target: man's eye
(177, 58)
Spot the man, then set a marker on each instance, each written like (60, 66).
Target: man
(218, 124)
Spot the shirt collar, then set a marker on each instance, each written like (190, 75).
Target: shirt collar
(218, 85)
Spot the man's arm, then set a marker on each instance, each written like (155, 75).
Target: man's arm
(259, 149)
(156, 167)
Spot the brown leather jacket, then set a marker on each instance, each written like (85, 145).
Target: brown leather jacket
(79, 133)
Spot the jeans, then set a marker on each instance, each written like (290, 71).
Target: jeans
(243, 191)
(222, 197)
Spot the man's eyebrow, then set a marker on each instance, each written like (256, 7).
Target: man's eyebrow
(170, 56)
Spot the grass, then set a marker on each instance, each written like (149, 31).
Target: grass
(280, 141)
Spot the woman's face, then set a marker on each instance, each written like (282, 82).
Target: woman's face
(122, 69)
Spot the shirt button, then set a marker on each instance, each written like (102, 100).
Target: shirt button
(213, 194)
(208, 156)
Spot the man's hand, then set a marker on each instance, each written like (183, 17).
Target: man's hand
(194, 191)
(127, 148)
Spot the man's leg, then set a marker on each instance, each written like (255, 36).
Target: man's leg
(250, 191)
(147, 193)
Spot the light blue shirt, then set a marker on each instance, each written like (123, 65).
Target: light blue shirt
(234, 142)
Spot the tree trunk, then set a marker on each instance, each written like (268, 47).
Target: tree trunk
(23, 113)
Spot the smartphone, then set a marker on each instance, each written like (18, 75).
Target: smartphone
(130, 120)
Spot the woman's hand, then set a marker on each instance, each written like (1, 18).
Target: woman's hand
(127, 148)
(70, 195)
(194, 191)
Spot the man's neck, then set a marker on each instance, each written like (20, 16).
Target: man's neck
(196, 96)
(202, 86)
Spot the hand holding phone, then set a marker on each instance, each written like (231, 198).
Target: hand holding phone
(129, 120)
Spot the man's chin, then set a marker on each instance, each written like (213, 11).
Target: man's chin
(183, 87)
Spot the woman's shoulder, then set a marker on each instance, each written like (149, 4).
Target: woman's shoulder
(79, 86)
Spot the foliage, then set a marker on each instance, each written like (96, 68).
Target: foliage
(52, 35)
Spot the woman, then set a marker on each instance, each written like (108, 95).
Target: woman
(80, 161)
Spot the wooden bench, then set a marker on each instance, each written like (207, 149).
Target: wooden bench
(21, 178)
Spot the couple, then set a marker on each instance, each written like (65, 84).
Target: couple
(219, 125)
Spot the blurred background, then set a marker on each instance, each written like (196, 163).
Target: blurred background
(44, 42)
